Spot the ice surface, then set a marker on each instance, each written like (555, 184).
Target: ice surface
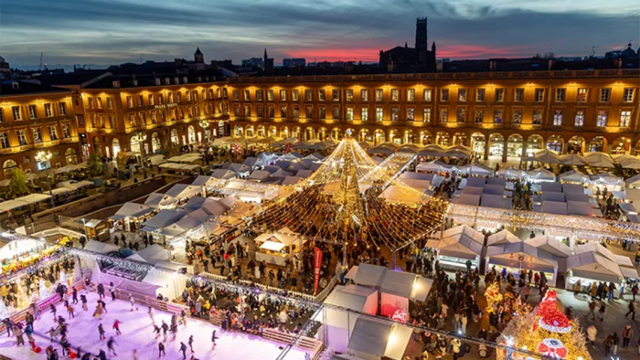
(137, 333)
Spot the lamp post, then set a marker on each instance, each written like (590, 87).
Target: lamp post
(45, 156)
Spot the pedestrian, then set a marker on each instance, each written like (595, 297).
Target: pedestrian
(133, 303)
(112, 290)
(116, 327)
(53, 310)
(602, 310)
(74, 295)
(99, 311)
(627, 335)
(455, 347)
(616, 340)
(592, 308)
(632, 310)
(213, 338)
(183, 349)
(592, 334)
(134, 356)
(110, 344)
(157, 330)
(101, 291)
(8, 324)
(83, 298)
(165, 328)
(102, 332)
(161, 351)
(19, 335)
(191, 343)
(608, 343)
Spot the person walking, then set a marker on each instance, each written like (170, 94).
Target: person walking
(70, 311)
(83, 298)
(183, 349)
(592, 334)
(101, 332)
(627, 335)
(601, 311)
(632, 310)
(592, 308)
(133, 303)
(616, 340)
(53, 311)
(191, 343)
(213, 338)
(101, 291)
(74, 295)
(161, 351)
(19, 335)
(165, 328)
(112, 290)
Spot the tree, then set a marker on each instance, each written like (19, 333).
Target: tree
(94, 166)
(18, 182)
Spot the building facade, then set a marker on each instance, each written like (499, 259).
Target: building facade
(498, 114)
(36, 118)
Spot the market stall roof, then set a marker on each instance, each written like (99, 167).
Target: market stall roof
(573, 159)
(407, 285)
(291, 180)
(238, 168)
(511, 173)
(590, 265)
(131, 209)
(573, 176)
(606, 178)
(201, 180)
(286, 239)
(154, 253)
(573, 189)
(351, 274)
(551, 186)
(599, 159)
(495, 201)
(553, 196)
(462, 230)
(58, 191)
(370, 275)
(630, 272)
(181, 191)
(596, 247)
(579, 208)
(416, 184)
(468, 199)
(173, 266)
(554, 207)
(259, 175)
(100, 247)
(623, 261)
(381, 339)
(154, 199)
(476, 169)
(502, 237)
(304, 173)
(508, 252)
(193, 219)
(33, 198)
(550, 245)
(214, 207)
(351, 297)
(434, 165)
(417, 176)
(547, 156)
(627, 161)
(163, 219)
(461, 247)
(11, 204)
(540, 174)
(633, 181)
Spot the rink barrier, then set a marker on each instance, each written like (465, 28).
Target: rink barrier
(289, 293)
(151, 302)
(315, 346)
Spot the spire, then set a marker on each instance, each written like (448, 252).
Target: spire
(265, 53)
(433, 47)
(405, 45)
(198, 52)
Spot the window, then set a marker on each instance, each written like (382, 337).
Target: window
(283, 111)
(4, 140)
(394, 114)
(260, 111)
(151, 99)
(154, 117)
(295, 94)
(462, 95)
(53, 133)
(378, 94)
(272, 112)
(129, 102)
(625, 118)
(170, 97)
(349, 95)
(37, 135)
(309, 112)
(444, 95)
(236, 110)
(379, 114)
(517, 116)
(627, 95)
(335, 94)
(426, 95)
(539, 95)
(110, 102)
(336, 112)
(308, 95)
(519, 95)
(1, 115)
(410, 114)
(270, 95)
(17, 115)
(579, 120)
(537, 117)
(395, 95)
(90, 102)
(283, 95)
(364, 95)
(499, 95)
(557, 118)
(479, 115)
(247, 95)
(32, 112)
(349, 113)
(323, 111)
(497, 116)
(426, 115)
(582, 95)
(247, 110)
(66, 132)
(461, 116)
(605, 94)
(602, 118)
(258, 95)
(411, 95)
(321, 95)
(560, 95)
(140, 100)
(480, 95)
(179, 96)
(235, 95)
(444, 115)
(195, 95)
(364, 114)
(296, 112)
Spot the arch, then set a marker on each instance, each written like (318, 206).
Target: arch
(262, 132)
(395, 136)
(534, 143)
(175, 138)
(273, 131)
(598, 143)
(155, 142)
(71, 156)
(97, 146)
(352, 132)
(621, 145)
(336, 134)
(496, 145)
(364, 135)
(379, 137)
(442, 138)
(555, 143)
(515, 143)
(460, 138)
(409, 137)
(191, 134)
(136, 144)
(8, 167)
(309, 133)
(322, 133)
(426, 138)
(296, 132)
(478, 144)
(284, 132)
(576, 145)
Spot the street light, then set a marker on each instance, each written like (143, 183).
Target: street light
(45, 156)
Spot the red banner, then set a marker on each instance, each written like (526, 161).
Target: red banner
(317, 263)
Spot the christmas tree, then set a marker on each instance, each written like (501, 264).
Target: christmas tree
(545, 331)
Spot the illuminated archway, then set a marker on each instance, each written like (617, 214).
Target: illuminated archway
(8, 167)
(442, 138)
(496, 145)
(460, 138)
(555, 142)
(534, 143)
(598, 143)
(621, 145)
(576, 145)
(175, 138)
(379, 137)
(155, 143)
(478, 144)
(515, 144)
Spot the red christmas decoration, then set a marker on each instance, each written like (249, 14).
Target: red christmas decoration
(400, 315)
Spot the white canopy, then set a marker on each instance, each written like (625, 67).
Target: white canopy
(131, 209)
(33, 198)
(370, 275)
(554, 207)
(501, 238)
(154, 199)
(181, 191)
(407, 285)
(590, 265)
(573, 159)
(152, 254)
(511, 173)
(594, 246)
(476, 169)
(599, 159)
(510, 254)
(353, 297)
(606, 178)
(434, 165)
(380, 338)
(100, 247)
(550, 245)
(627, 161)
(633, 181)
(580, 208)
(547, 156)
(259, 175)
(540, 174)
(574, 176)
(163, 219)
(286, 239)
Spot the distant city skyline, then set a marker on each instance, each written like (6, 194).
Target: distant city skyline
(102, 33)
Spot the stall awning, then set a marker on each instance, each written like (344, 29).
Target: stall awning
(550, 245)
(630, 272)
(380, 338)
(33, 198)
(272, 245)
(599, 267)
(370, 275)
(501, 238)
(133, 210)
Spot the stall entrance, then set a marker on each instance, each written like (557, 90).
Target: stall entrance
(598, 143)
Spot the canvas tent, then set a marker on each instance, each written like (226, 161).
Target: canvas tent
(398, 287)
(551, 245)
(502, 238)
(519, 256)
(589, 267)
(457, 246)
(375, 339)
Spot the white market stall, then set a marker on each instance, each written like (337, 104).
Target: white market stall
(374, 339)
(502, 237)
(276, 247)
(589, 267)
(458, 245)
(397, 289)
(519, 256)
(132, 212)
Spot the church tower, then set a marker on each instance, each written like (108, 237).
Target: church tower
(198, 56)
(422, 42)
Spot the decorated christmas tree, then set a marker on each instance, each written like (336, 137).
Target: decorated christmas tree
(546, 331)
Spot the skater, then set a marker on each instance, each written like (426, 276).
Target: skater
(110, 344)
(112, 290)
(74, 296)
(99, 311)
(102, 332)
(133, 302)
(83, 298)
(161, 351)
(8, 324)
(101, 290)
(152, 315)
(52, 334)
(165, 328)
(19, 335)
(174, 331)
(157, 330)
(53, 310)
(116, 326)
(183, 348)
(104, 306)
(213, 338)
(191, 343)
(102, 355)
(135, 354)
(70, 311)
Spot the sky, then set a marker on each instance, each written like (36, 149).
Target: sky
(105, 32)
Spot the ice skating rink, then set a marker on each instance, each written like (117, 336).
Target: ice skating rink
(137, 333)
